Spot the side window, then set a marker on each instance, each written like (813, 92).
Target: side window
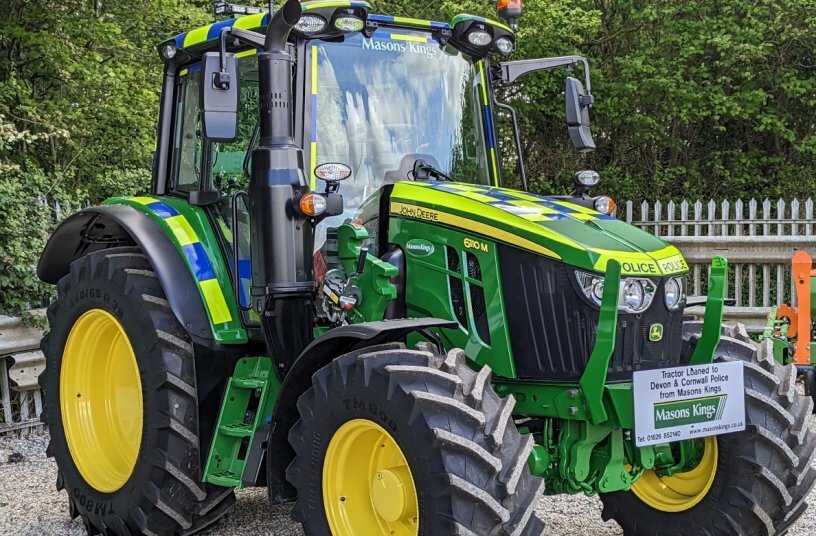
(188, 134)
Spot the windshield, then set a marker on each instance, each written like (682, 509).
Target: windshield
(380, 104)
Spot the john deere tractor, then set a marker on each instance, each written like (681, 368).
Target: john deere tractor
(328, 293)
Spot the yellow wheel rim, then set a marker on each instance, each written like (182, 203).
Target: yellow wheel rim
(101, 400)
(367, 484)
(682, 491)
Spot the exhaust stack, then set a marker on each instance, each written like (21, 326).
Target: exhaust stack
(282, 272)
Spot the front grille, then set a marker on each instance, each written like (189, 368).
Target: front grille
(457, 292)
(553, 327)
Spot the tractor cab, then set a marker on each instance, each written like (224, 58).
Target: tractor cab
(377, 101)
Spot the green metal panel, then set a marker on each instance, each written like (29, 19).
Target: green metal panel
(715, 304)
(554, 228)
(428, 290)
(594, 377)
(566, 401)
(191, 232)
(374, 284)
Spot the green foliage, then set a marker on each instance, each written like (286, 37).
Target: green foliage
(79, 86)
(22, 240)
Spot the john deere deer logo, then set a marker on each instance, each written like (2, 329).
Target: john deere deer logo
(656, 332)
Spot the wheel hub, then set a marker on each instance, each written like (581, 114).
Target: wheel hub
(101, 401)
(681, 491)
(388, 493)
(368, 487)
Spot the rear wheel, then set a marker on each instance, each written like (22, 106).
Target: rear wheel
(405, 442)
(121, 402)
(750, 482)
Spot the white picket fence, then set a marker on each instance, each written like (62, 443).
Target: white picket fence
(757, 237)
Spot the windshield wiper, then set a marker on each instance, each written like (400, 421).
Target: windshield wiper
(424, 171)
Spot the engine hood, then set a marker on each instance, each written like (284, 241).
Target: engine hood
(552, 227)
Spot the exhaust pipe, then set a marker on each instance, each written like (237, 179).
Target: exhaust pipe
(281, 241)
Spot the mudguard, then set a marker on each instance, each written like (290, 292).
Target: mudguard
(99, 228)
(319, 353)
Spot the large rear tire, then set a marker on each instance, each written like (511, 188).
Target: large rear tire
(403, 442)
(749, 483)
(121, 403)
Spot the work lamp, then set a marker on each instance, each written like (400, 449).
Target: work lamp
(326, 19)
(311, 24)
(479, 37)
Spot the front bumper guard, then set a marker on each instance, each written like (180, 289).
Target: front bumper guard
(593, 380)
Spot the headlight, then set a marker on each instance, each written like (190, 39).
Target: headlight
(479, 38)
(169, 51)
(505, 45)
(675, 293)
(635, 294)
(310, 24)
(349, 24)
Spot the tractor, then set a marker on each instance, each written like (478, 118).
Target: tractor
(329, 293)
(792, 328)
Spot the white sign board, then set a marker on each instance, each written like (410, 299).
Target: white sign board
(688, 402)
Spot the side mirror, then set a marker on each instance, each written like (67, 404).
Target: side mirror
(220, 95)
(578, 103)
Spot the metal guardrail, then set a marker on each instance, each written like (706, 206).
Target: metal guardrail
(21, 363)
(758, 239)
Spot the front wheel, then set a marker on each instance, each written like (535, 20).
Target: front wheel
(404, 442)
(748, 483)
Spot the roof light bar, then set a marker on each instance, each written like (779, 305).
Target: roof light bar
(224, 10)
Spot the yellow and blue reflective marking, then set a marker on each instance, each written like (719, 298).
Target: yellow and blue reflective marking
(488, 113)
(396, 36)
(213, 31)
(531, 207)
(404, 21)
(197, 259)
(313, 148)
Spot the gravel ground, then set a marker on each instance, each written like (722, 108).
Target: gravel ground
(31, 506)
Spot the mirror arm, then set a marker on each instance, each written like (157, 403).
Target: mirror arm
(246, 36)
(222, 80)
(510, 71)
(512, 111)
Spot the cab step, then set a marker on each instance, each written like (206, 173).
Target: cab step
(247, 405)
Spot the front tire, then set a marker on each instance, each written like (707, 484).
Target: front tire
(406, 442)
(750, 483)
(121, 402)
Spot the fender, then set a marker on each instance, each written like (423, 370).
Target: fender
(99, 228)
(319, 353)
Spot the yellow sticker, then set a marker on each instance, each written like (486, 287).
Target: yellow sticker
(673, 265)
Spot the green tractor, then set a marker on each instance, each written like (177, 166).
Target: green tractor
(328, 293)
